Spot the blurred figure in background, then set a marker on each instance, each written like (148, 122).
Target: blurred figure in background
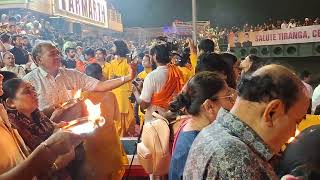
(100, 56)
(214, 63)
(21, 55)
(183, 62)
(305, 77)
(70, 61)
(250, 64)
(9, 65)
(7, 41)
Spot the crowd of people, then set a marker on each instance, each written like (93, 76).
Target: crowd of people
(234, 116)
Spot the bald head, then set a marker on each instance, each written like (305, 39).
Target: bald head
(272, 82)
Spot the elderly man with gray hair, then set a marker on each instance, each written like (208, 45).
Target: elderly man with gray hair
(241, 143)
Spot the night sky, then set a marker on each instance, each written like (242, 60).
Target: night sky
(155, 13)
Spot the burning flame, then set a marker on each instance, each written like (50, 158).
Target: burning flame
(77, 95)
(94, 119)
(93, 110)
(296, 134)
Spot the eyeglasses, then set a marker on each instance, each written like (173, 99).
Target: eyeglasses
(231, 97)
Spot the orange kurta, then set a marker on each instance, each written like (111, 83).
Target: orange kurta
(120, 67)
(105, 156)
(187, 74)
(172, 87)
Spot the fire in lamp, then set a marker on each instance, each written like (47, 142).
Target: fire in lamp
(86, 124)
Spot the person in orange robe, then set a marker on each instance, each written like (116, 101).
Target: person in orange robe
(89, 58)
(120, 67)
(105, 156)
(161, 85)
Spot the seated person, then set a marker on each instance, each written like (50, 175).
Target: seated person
(202, 104)
(9, 65)
(20, 100)
(42, 159)
(15, 161)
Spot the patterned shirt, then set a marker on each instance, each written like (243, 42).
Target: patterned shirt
(57, 90)
(33, 131)
(229, 149)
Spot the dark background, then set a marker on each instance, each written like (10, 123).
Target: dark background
(155, 13)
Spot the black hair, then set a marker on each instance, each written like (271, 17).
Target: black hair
(256, 61)
(109, 57)
(121, 48)
(94, 70)
(197, 92)
(104, 51)
(7, 75)
(10, 88)
(15, 37)
(214, 63)
(89, 52)
(162, 53)
(185, 58)
(229, 58)
(68, 49)
(266, 87)
(304, 74)
(206, 45)
(5, 38)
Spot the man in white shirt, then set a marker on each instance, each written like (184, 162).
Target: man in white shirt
(56, 85)
(159, 86)
(9, 65)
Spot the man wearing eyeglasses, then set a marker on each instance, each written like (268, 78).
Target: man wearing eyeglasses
(241, 143)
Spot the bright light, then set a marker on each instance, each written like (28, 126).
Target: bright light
(296, 134)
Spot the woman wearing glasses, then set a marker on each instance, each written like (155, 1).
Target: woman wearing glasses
(202, 98)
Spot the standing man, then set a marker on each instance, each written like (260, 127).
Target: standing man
(21, 55)
(56, 85)
(160, 85)
(101, 55)
(70, 62)
(240, 144)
